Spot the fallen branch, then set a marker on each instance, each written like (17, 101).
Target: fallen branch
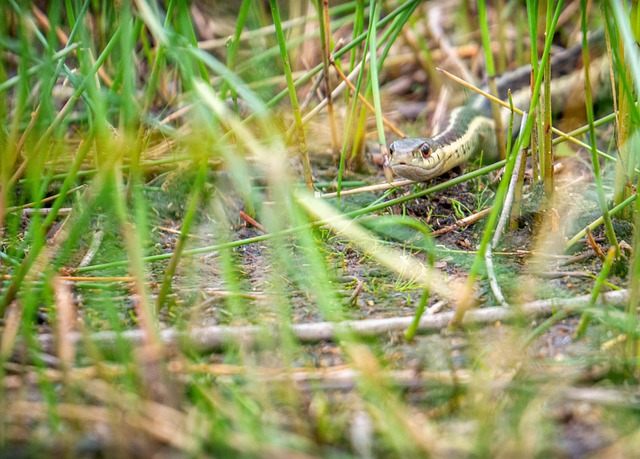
(463, 223)
(369, 188)
(214, 337)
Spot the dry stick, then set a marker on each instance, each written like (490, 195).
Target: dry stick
(179, 113)
(27, 131)
(594, 246)
(65, 320)
(62, 211)
(42, 201)
(364, 100)
(96, 242)
(356, 291)
(18, 173)
(85, 278)
(215, 337)
(215, 294)
(43, 210)
(335, 93)
(313, 90)
(252, 221)
(248, 36)
(561, 274)
(577, 258)
(440, 110)
(422, 55)
(368, 188)
(10, 329)
(463, 223)
(462, 52)
(128, 279)
(435, 26)
(325, 33)
(504, 216)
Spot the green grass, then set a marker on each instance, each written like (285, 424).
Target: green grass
(132, 143)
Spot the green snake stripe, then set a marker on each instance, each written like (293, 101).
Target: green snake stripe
(470, 129)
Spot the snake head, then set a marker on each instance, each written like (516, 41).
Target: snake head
(416, 158)
(398, 148)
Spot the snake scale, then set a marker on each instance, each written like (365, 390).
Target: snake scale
(470, 128)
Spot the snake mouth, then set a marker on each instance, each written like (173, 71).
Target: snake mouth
(417, 173)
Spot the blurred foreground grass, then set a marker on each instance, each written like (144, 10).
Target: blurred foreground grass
(171, 285)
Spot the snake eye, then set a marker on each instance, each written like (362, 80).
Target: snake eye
(425, 149)
(392, 149)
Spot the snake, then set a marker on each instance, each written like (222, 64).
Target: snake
(470, 129)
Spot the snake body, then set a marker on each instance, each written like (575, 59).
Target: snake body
(470, 129)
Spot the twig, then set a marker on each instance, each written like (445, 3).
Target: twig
(216, 293)
(96, 241)
(312, 91)
(504, 216)
(606, 396)
(215, 337)
(435, 26)
(463, 223)
(93, 279)
(97, 279)
(356, 291)
(325, 40)
(10, 330)
(364, 100)
(577, 258)
(560, 274)
(335, 94)
(182, 111)
(252, 221)
(65, 320)
(369, 188)
(591, 242)
(45, 211)
(27, 132)
(436, 308)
